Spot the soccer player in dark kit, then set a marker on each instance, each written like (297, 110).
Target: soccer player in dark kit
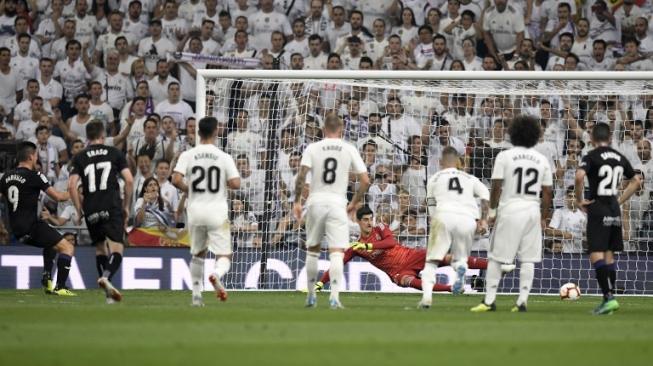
(22, 188)
(604, 168)
(99, 167)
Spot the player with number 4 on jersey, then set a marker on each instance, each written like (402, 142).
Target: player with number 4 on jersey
(99, 166)
(329, 162)
(209, 172)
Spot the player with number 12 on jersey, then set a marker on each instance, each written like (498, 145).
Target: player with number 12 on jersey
(209, 171)
(22, 188)
(99, 166)
(604, 168)
(329, 162)
(451, 195)
(519, 176)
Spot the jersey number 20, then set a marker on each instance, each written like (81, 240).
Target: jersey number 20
(611, 177)
(212, 176)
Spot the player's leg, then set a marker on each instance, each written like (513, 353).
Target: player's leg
(530, 252)
(314, 235)
(409, 278)
(48, 263)
(463, 237)
(198, 247)
(598, 240)
(101, 257)
(438, 246)
(472, 262)
(219, 242)
(337, 234)
(66, 251)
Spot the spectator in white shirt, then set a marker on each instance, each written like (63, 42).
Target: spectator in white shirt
(632, 59)
(423, 51)
(264, 22)
(126, 60)
(316, 22)
(471, 62)
(296, 61)
(49, 89)
(23, 63)
(299, 42)
(503, 30)
(155, 47)
(159, 84)
(21, 26)
(338, 27)
(135, 23)
(557, 56)
(582, 42)
(407, 30)
(356, 23)
(107, 40)
(461, 29)
(174, 106)
(627, 14)
(58, 48)
(599, 60)
(603, 24)
(642, 34)
(441, 59)
(316, 60)
(351, 61)
(555, 28)
(173, 27)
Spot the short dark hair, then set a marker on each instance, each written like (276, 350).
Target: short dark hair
(161, 161)
(39, 129)
(81, 96)
(24, 150)
(468, 13)
(365, 210)
(524, 131)
(207, 126)
(94, 130)
(314, 37)
(425, 27)
(439, 36)
(450, 151)
(601, 42)
(601, 132)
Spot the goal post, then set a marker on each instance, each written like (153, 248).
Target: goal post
(400, 121)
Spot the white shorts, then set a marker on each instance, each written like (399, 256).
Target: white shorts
(517, 234)
(217, 239)
(327, 220)
(450, 231)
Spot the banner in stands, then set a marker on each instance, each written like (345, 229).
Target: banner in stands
(168, 269)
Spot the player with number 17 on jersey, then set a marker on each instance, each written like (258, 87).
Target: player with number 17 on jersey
(99, 167)
(329, 162)
(209, 171)
(604, 168)
(519, 176)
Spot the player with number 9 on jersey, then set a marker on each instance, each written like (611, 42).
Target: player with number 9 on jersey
(209, 172)
(519, 176)
(329, 162)
(22, 188)
(604, 168)
(99, 166)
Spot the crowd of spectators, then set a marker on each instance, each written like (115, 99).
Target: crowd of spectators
(64, 63)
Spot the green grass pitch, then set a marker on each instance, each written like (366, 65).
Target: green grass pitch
(273, 328)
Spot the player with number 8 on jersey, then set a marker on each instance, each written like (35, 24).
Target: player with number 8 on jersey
(604, 168)
(99, 166)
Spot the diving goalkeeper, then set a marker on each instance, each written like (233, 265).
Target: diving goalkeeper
(378, 245)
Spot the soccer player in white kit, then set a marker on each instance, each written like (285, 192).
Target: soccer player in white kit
(209, 171)
(451, 196)
(519, 176)
(329, 162)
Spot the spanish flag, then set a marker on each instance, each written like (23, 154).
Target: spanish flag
(158, 237)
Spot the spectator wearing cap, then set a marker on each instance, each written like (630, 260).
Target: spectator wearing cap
(338, 27)
(351, 61)
(603, 24)
(154, 47)
(503, 30)
(316, 59)
(264, 22)
(299, 42)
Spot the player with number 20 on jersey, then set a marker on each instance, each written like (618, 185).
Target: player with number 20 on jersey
(209, 171)
(22, 188)
(604, 168)
(519, 176)
(99, 167)
(329, 162)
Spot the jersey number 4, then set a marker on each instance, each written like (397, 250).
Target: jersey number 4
(89, 172)
(525, 186)
(212, 176)
(611, 177)
(454, 185)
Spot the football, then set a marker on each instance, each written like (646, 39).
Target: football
(569, 291)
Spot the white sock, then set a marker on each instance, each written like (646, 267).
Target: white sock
(428, 280)
(492, 278)
(311, 271)
(526, 274)
(222, 265)
(196, 274)
(336, 270)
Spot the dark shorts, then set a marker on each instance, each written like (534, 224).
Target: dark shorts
(104, 225)
(40, 235)
(604, 231)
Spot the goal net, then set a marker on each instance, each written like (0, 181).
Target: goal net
(400, 122)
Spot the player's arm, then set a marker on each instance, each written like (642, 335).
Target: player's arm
(73, 180)
(178, 181)
(299, 188)
(481, 191)
(579, 184)
(546, 204)
(56, 195)
(634, 185)
(129, 189)
(360, 169)
(495, 193)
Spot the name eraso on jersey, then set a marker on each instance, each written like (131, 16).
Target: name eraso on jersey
(99, 152)
(526, 156)
(610, 155)
(205, 155)
(15, 178)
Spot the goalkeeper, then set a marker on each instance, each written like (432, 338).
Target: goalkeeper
(378, 245)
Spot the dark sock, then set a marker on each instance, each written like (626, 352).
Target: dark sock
(101, 263)
(612, 276)
(113, 265)
(602, 276)
(48, 260)
(63, 267)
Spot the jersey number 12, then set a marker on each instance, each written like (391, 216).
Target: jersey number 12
(525, 186)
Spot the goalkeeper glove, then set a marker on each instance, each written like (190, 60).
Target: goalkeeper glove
(319, 286)
(361, 246)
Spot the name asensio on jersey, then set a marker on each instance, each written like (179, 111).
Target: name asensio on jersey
(92, 153)
(526, 157)
(200, 156)
(332, 148)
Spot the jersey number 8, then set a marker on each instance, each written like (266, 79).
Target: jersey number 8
(329, 174)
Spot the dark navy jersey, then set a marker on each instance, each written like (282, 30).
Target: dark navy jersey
(605, 167)
(21, 189)
(99, 167)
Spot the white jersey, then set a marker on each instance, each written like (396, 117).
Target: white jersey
(523, 171)
(330, 161)
(454, 191)
(207, 170)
